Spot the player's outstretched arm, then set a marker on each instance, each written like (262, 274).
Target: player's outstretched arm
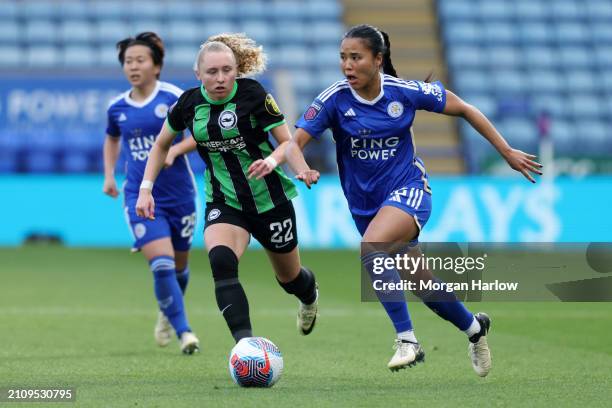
(297, 162)
(517, 159)
(112, 147)
(145, 206)
(187, 145)
(262, 167)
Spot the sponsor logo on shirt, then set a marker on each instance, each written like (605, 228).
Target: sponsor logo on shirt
(140, 230)
(214, 214)
(433, 89)
(161, 110)
(395, 109)
(271, 106)
(228, 119)
(222, 146)
(312, 111)
(375, 148)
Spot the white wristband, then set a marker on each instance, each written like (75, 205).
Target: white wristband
(271, 161)
(146, 185)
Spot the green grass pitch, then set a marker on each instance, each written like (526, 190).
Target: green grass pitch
(84, 318)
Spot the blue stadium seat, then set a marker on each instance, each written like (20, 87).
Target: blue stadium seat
(253, 10)
(593, 137)
(586, 106)
(499, 33)
(212, 27)
(603, 56)
(605, 81)
(146, 10)
(568, 10)
(504, 57)
(76, 32)
(182, 56)
(139, 26)
(12, 56)
(111, 31)
(318, 10)
(304, 81)
(326, 78)
(575, 57)
(8, 10)
(599, 9)
(462, 56)
(292, 56)
(326, 56)
(10, 32)
(183, 33)
(519, 131)
(107, 56)
(572, 33)
(74, 10)
(109, 10)
(215, 11)
(79, 56)
(602, 33)
(471, 81)
(581, 81)
(536, 33)
(40, 32)
(493, 10)
(456, 10)
(287, 10)
(180, 11)
(509, 81)
(563, 136)
(292, 32)
(42, 57)
(257, 30)
(326, 32)
(553, 103)
(539, 57)
(486, 104)
(463, 33)
(37, 9)
(545, 81)
(530, 10)
(9, 162)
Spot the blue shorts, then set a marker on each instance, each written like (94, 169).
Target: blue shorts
(413, 199)
(177, 222)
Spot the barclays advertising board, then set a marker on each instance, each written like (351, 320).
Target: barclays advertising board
(73, 209)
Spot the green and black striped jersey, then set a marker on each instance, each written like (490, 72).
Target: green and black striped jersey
(231, 134)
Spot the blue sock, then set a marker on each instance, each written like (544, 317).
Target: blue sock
(447, 306)
(182, 278)
(168, 293)
(394, 302)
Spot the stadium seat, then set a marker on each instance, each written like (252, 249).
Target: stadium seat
(292, 56)
(486, 104)
(8, 10)
(75, 162)
(599, 9)
(253, 10)
(326, 57)
(106, 56)
(76, 32)
(520, 132)
(456, 10)
(602, 33)
(318, 10)
(74, 10)
(40, 32)
(539, 57)
(575, 57)
(286, 11)
(139, 26)
(586, 107)
(572, 33)
(326, 32)
(471, 81)
(180, 11)
(183, 33)
(530, 10)
(503, 57)
(78, 56)
(146, 10)
(465, 56)
(109, 10)
(493, 10)
(463, 33)
(108, 32)
(212, 27)
(37, 9)
(593, 137)
(545, 81)
(581, 81)
(509, 81)
(10, 32)
(499, 33)
(42, 57)
(41, 162)
(291, 32)
(257, 30)
(568, 10)
(12, 56)
(603, 56)
(182, 56)
(563, 136)
(553, 103)
(536, 33)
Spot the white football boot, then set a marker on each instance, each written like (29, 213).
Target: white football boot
(163, 330)
(478, 348)
(307, 316)
(407, 354)
(189, 343)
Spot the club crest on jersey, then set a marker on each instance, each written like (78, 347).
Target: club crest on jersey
(271, 106)
(140, 230)
(161, 110)
(395, 109)
(228, 119)
(214, 214)
(312, 111)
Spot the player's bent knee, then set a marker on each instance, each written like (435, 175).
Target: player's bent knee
(223, 262)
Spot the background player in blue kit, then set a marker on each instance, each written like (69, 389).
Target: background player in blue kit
(370, 114)
(134, 118)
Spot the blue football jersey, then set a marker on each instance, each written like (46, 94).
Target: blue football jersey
(374, 140)
(138, 124)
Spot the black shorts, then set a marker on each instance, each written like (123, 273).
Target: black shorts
(274, 229)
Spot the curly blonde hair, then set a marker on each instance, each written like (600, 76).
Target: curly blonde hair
(250, 58)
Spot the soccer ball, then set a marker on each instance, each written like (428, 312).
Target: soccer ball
(255, 362)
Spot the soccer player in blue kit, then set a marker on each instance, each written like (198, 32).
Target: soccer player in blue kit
(134, 119)
(370, 114)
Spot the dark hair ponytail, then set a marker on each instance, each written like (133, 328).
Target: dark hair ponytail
(148, 39)
(387, 64)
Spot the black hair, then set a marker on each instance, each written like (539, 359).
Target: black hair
(376, 41)
(148, 39)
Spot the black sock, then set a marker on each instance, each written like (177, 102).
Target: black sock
(303, 286)
(231, 299)
(234, 306)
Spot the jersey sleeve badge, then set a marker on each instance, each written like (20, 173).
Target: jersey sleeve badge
(312, 112)
(271, 106)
